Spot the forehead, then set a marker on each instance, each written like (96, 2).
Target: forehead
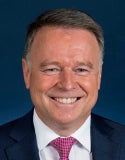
(47, 31)
(58, 35)
(53, 42)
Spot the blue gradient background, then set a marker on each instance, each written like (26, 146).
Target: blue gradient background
(16, 15)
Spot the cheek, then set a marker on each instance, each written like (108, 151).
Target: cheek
(39, 87)
(89, 84)
(42, 83)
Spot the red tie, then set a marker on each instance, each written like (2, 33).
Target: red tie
(63, 146)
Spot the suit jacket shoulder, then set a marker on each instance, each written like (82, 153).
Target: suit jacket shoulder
(7, 130)
(107, 127)
(18, 140)
(108, 139)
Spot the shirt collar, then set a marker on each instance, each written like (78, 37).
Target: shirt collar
(83, 134)
(45, 135)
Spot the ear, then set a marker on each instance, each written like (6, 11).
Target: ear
(99, 76)
(26, 72)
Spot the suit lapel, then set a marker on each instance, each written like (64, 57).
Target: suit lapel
(104, 146)
(23, 139)
(23, 150)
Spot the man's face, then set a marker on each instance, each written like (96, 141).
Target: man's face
(64, 76)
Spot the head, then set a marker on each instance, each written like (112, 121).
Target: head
(62, 66)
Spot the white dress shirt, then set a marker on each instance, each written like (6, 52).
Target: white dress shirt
(44, 135)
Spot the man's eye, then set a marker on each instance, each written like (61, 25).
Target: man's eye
(81, 71)
(51, 71)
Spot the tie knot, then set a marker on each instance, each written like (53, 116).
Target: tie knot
(63, 146)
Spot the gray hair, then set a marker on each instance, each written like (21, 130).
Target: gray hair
(66, 18)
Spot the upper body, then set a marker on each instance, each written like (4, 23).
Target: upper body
(62, 68)
(18, 140)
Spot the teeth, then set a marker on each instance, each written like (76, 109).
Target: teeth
(66, 100)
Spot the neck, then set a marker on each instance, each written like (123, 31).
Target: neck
(65, 130)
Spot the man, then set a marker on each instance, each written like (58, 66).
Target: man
(62, 67)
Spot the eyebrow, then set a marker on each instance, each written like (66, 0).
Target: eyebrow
(46, 63)
(88, 64)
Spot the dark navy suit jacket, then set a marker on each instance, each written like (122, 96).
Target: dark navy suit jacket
(18, 140)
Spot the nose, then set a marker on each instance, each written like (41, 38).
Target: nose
(67, 80)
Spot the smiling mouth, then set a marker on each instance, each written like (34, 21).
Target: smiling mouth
(66, 100)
